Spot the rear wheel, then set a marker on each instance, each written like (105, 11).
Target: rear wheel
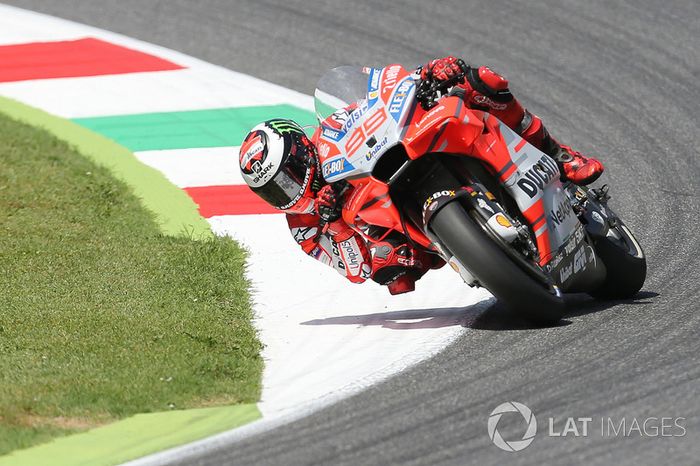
(492, 267)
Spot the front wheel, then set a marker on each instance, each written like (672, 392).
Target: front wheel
(625, 263)
(492, 267)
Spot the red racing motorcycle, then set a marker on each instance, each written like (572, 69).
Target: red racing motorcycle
(459, 183)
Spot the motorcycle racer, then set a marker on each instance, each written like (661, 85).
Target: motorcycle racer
(280, 164)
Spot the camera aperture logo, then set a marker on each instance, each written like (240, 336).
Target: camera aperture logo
(528, 436)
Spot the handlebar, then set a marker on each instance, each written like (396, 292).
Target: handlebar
(428, 89)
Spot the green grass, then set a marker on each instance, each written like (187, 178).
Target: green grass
(101, 315)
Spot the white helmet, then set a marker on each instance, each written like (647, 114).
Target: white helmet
(278, 162)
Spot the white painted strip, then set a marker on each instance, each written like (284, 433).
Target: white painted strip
(161, 91)
(325, 336)
(187, 168)
(28, 26)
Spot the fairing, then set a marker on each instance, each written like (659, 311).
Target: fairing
(383, 112)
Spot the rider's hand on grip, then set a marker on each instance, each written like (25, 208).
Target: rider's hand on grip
(444, 69)
(327, 206)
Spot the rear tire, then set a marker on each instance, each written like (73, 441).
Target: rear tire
(492, 267)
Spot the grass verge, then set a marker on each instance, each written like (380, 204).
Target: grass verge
(101, 315)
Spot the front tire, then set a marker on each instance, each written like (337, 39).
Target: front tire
(625, 263)
(492, 267)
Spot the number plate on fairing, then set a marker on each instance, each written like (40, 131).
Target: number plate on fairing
(352, 142)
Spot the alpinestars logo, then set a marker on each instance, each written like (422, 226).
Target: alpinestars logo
(528, 436)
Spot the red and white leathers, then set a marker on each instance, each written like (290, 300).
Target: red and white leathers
(389, 262)
(338, 246)
(392, 261)
(484, 89)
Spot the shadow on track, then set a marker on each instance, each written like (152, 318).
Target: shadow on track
(413, 318)
(484, 315)
(580, 304)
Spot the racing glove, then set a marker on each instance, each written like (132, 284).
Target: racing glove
(327, 204)
(444, 69)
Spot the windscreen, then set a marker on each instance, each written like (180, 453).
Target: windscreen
(339, 88)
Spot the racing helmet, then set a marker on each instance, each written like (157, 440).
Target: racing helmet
(278, 162)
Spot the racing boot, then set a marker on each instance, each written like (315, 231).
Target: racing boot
(577, 168)
(573, 165)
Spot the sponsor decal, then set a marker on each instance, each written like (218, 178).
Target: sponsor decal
(561, 212)
(351, 255)
(487, 102)
(354, 116)
(307, 177)
(253, 152)
(375, 150)
(303, 234)
(399, 100)
(373, 86)
(482, 204)
(592, 257)
(437, 195)
(336, 167)
(374, 80)
(565, 273)
(323, 149)
(573, 267)
(571, 245)
(332, 134)
(262, 174)
(538, 176)
(429, 117)
(503, 221)
(390, 77)
(339, 264)
(284, 126)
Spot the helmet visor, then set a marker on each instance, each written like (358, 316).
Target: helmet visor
(287, 186)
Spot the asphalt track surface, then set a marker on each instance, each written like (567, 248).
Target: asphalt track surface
(618, 79)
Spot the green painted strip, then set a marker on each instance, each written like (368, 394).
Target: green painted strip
(196, 128)
(176, 213)
(134, 437)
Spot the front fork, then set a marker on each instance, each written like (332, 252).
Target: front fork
(489, 214)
